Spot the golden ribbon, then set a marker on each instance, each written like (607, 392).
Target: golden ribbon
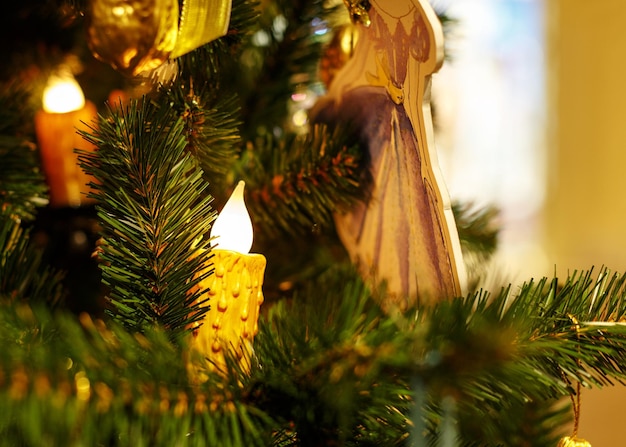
(201, 22)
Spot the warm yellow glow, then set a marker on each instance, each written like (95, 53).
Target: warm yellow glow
(348, 40)
(300, 118)
(232, 229)
(63, 94)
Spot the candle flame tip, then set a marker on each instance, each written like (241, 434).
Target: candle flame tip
(232, 230)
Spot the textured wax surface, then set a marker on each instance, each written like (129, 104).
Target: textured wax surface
(235, 297)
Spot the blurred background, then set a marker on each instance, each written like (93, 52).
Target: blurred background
(531, 116)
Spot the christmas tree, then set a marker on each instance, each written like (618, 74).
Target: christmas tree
(102, 336)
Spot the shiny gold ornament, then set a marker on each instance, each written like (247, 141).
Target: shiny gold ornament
(339, 50)
(139, 35)
(573, 442)
(133, 36)
(359, 11)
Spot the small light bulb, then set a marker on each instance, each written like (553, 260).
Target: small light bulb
(232, 229)
(63, 94)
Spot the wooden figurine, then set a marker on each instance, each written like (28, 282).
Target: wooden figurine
(404, 233)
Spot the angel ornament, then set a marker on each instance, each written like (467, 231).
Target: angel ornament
(404, 234)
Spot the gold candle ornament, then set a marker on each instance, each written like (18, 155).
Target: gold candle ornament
(64, 112)
(573, 442)
(234, 289)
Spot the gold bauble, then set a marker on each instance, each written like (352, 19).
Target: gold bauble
(339, 50)
(139, 35)
(573, 442)
(133, 35)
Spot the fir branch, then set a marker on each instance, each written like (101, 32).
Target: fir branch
(210, 63)
(329, 367)
(576, 321)
(490, 355)
(478, 235)
(323, 355)
(282, 55)
(82, 383)
(530, 348)
(22, 189)
(296, 183)
(23, 278)
(478, 232)
(22, 186)
(154, 211)
(211, 128)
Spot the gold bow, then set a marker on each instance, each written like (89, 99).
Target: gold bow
(201, 22)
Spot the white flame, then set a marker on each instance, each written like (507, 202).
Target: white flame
(232, 229)
(63, 94)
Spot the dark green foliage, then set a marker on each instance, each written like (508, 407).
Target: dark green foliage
(325, 352)
(342, 372)
(208, 104)
(209, 64)
(297, 182)
(533, 424)
(154, 210)
(210, 128)
(330, 368)
(23, 278)
(22, 186)
(478, 234)
(282, 55)
(83, 383)
(500, 359)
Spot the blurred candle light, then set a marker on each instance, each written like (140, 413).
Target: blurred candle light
(64, 112)
(234, 289)
(232, 229)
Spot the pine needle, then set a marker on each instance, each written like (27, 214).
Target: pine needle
(154, 210)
